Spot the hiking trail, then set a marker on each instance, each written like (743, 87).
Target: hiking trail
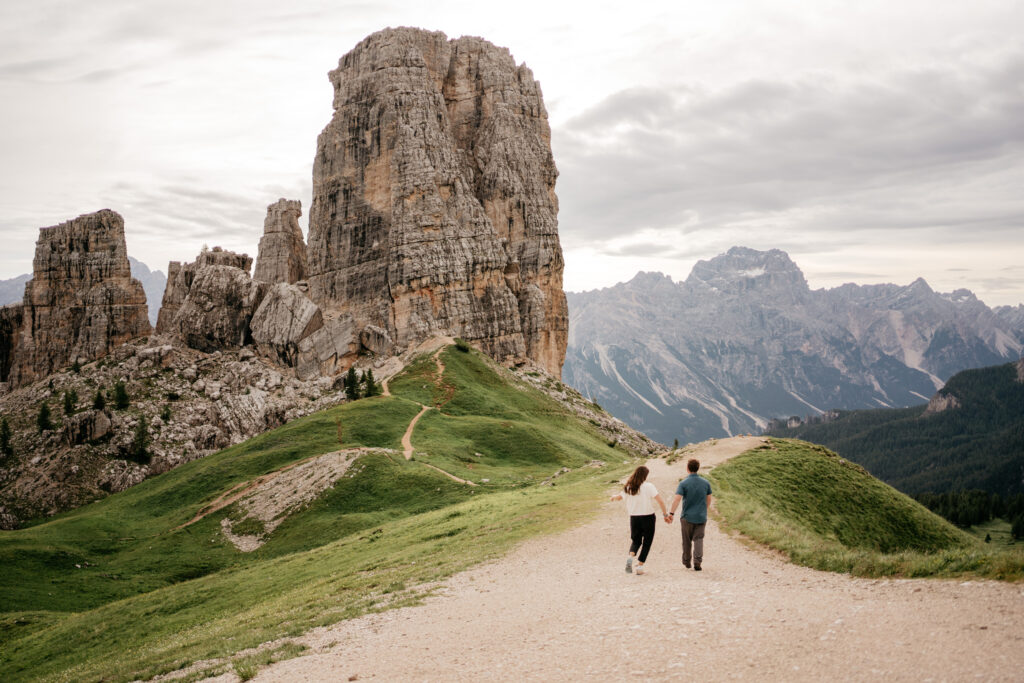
(561, 607)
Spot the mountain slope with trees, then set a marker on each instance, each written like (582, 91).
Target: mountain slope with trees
(970, 436)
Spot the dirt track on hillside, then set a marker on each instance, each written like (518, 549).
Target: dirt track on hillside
(562, 608)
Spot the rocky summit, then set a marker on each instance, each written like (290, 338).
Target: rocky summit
(80, 304)
(434, 209)
(744, 339)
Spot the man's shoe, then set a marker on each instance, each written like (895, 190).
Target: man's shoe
(696, 568)
(629, 566)
(686, 564)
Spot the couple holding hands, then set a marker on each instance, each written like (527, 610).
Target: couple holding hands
(640, 495)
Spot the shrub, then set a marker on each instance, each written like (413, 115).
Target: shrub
(1017, 530)
(165, 413)
(461, 345)
(99, 401)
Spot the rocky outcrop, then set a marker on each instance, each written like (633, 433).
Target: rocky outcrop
(941, 402)
(285, 318)
(181, 277)
(434, 209)
(218, 308)
(82, 301)
(282, 254)
(11, 318)
(208, 303)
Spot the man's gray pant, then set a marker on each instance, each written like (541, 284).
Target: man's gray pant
(692, 533)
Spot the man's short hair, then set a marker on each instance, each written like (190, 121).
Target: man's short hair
(693, 465)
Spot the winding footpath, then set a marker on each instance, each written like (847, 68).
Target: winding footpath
(561, 608)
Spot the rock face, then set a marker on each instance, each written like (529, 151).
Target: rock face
(434, 210)
(744, 339)
(82, 301)
(181, 277)
(282, 255)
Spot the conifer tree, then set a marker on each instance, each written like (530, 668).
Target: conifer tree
(70, 401)
(121, 400)
(43, 418)
(139, 449)
(5, 438)
(351, 385)
(99, 401)
(372, 389)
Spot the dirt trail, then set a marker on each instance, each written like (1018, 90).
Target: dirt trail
(562, 608)
(407, 437)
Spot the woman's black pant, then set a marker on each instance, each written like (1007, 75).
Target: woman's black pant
(641, 530)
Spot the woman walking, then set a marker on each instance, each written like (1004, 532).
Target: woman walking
(638, 494)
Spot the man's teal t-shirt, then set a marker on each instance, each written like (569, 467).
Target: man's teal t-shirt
(695, 490)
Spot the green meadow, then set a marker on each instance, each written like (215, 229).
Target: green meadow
(827, 513)
(120, 590)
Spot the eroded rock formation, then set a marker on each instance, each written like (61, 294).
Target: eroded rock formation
(81, 303)
(434, 210)
(181, 277)
(282, 255)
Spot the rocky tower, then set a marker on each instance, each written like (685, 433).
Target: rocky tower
(282, 255)
(82, 300)
(434, 208)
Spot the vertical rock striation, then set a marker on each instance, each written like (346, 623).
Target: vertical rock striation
(82, 301)
(434, 208)
(282, 254)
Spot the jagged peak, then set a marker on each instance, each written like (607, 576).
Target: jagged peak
(743, 268)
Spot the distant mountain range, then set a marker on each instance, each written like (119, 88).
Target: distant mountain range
(969, 436)
(153, 283)
(744, 339)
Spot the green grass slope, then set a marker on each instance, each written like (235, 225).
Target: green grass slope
(119, 590)
(978, 445)
(828, 513)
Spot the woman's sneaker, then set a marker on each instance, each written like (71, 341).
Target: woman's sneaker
(640, 569)
(629, 565)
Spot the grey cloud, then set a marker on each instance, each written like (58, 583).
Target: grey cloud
(889, 153)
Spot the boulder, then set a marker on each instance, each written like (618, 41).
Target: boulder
(89, 425)
(284, 318)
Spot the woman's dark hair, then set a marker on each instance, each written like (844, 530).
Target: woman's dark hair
(638, 477)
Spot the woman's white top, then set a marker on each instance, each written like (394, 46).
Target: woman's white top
(643, 502)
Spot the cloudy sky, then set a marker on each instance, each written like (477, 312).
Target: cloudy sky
(873, 141)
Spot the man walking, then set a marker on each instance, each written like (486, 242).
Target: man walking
(695, 493)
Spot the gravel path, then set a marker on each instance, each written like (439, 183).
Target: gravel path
(562, 608)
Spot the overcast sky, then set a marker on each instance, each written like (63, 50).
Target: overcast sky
(873, 141)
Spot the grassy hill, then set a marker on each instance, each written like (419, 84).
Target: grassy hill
(825, 512)
(977, 445)
(135, 585)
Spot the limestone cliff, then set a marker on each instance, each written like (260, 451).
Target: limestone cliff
(434, 210)
(282, 255)
(81, 303)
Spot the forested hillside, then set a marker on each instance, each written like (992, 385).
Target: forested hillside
(971, 436)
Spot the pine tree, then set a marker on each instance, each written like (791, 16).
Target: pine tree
(675, 444)
(351, 385)
(99, 402)
(139, 449)
(1017, 530)
(70, 401)
(5, 438)
(43, 418)
(121, 400)
(372, 389)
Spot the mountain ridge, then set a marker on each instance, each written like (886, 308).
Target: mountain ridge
(744, 339)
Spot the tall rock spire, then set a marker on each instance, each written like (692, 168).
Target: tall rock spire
(434, 208)
(82, 301)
